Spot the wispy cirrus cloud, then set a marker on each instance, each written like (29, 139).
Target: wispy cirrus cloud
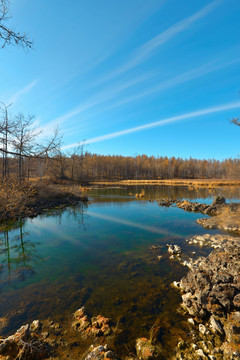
(17, 95)
(140, 55)
(185, 77)
(146, 50)
(192, 115)
(100, 98)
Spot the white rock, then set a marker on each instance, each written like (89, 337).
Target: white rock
(200, 352)
(202, 329)
(216, 325)
(191, 321)
(176, 284)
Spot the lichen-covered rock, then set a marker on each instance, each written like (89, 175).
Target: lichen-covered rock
(81, 321)
(100, 326)
(96, 326)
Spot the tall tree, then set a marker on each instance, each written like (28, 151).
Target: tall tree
(26, 143)
(6, 126)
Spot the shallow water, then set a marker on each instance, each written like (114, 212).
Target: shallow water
(100, 256)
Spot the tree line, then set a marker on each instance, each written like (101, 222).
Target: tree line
(101, 167)
(82, 167)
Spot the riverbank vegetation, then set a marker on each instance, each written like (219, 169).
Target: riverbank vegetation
(34, 170)
(18, 200)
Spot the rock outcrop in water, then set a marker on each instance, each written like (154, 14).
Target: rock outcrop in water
(224, 216)
(211, 295)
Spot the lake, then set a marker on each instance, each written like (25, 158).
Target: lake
(99, 255)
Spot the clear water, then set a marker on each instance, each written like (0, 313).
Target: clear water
(100, 256)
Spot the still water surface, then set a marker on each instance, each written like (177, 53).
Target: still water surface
(100, 256)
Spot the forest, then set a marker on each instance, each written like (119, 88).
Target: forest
(83, 167)
(27, 154)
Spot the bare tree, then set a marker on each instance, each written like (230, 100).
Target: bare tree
(59, 165)
(23, 141)
(77, 161)
(26, 143)
(9, 36)
(6, 127)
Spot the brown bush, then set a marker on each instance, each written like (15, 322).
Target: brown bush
(14, 198)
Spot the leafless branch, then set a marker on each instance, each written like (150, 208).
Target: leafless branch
(236, 121)
(9, 36)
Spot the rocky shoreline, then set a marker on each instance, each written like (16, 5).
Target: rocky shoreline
(211, 296)
(211, 289)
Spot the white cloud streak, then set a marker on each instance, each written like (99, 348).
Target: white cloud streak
(178, 80)
(111, 92)
(170, 120)
(141, 54)
(100, 98)
(147, 49)
(15, 97)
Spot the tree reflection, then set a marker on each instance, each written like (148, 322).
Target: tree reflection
(79, 214)
(18, 255)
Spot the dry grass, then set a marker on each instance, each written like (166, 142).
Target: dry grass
(17, 199)
(227, 215)
(54, 191)
(14, 198)
(191, 183)
(141, 194)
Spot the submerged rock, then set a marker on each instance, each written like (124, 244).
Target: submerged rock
(24, 344)
(174, 249)
(96, 326)
(99, 353)
(145, 349)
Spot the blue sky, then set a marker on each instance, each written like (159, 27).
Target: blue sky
(155, 77)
